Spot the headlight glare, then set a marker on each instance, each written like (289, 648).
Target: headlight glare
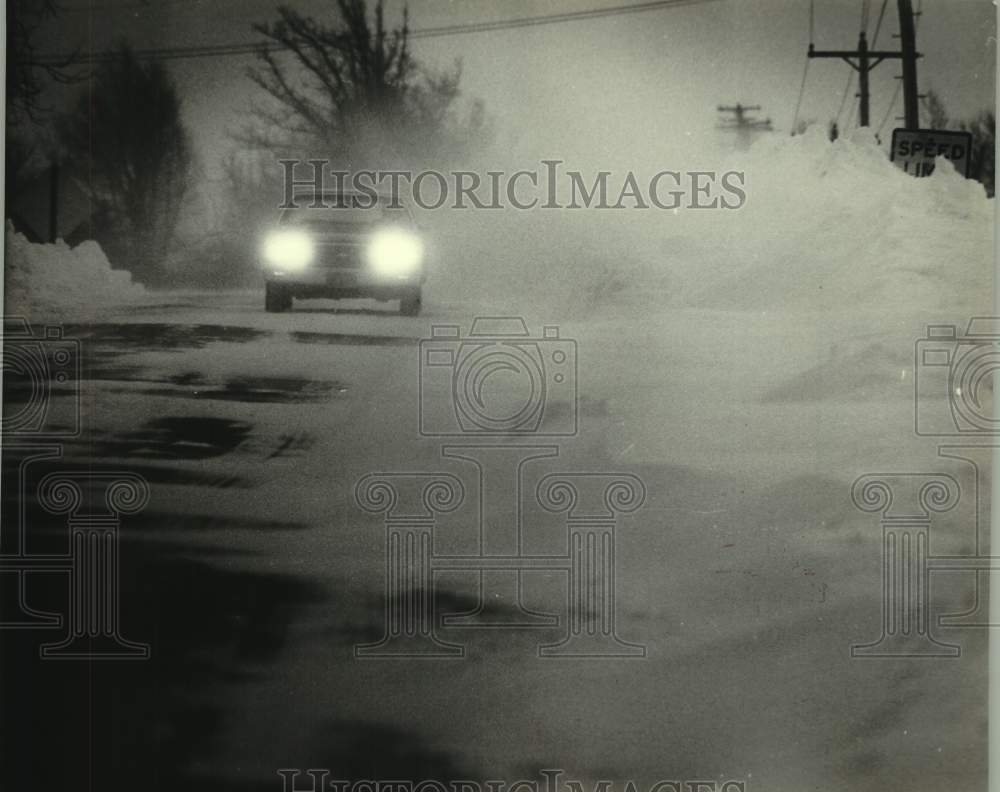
(288, 249)
(395, 251)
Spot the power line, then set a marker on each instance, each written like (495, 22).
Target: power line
(805, 68)
(892, 104)
(847, 91)
(141, 4)
(802, 90)
(250, 48)
(549, 19)
(878, 25)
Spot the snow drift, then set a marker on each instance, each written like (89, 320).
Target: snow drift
(838, 225)
(826, 226)
(55, 281)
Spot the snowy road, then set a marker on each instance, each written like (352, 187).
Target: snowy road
(747, 574)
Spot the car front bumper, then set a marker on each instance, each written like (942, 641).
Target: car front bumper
(337, 282)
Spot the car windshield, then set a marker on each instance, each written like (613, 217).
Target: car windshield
(345, 216)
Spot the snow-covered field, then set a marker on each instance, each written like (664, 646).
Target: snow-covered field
(747, 366)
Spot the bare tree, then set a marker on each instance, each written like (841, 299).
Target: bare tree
(351, 89)
(982, 158)
(128, 128)
(28, 146)
(241, 203)
(937, 115)
(982, 129)
(27, 69)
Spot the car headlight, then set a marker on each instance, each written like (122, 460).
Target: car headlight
(288, 249)
(395, 251)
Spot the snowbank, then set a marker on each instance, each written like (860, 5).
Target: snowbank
(826, 227)
(830, 226)
(58, 282)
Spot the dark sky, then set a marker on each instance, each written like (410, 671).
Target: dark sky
(628, 86)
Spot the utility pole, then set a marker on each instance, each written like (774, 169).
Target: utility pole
(54, 203)
(908, 44)
(868, 59)
(741, 120)
(742, 123)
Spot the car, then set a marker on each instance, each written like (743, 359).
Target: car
(342, 246)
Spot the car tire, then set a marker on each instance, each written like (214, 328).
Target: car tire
(410, 304)
(276, 298)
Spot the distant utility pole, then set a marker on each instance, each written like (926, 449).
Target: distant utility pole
(741, 123)
(868, 59)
